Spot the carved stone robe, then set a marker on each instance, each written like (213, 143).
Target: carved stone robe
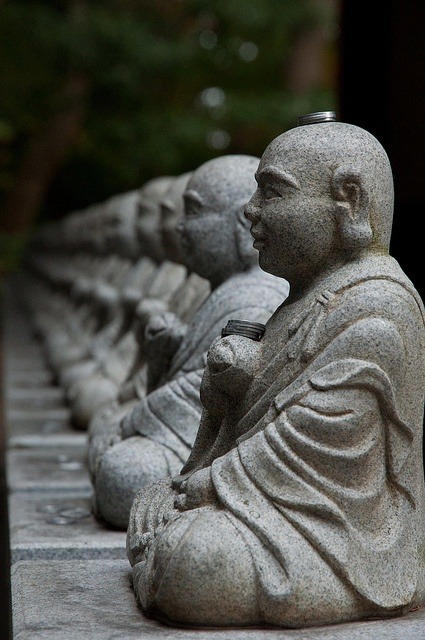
(318, 465)
(170, 415)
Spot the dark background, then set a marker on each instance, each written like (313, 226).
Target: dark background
(382, 88)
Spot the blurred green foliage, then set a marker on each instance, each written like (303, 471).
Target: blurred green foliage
(171, 83)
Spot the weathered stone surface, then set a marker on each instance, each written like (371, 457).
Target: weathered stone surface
(60, 415)
(92, 599)
(47, 469)
(35, 398)
(154, 440)
(57, 525)
(27, 423)
(303, 502)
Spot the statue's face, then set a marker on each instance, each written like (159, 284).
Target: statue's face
(172, 212)
(147, 223)
(292, 214)
(120, 233)
(171, 215)
(207, 236)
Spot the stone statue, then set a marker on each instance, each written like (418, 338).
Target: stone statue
(302, 502)
(126, 227)
(73, 343)
(159, 326)
(109, 372)
(154, 439)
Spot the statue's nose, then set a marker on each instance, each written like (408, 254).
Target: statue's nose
(251, 211)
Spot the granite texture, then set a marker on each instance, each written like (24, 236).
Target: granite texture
(319, 431)
(155, 438)
(48, 469)
(93, 600)
(302, 503)
(60, 526)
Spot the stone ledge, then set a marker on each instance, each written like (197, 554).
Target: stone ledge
(59, 526)
(94, 600)
(48, 469)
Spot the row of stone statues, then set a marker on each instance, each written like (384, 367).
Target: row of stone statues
(132, 350)
(261, 444)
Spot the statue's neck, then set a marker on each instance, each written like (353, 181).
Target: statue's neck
(218, 279)
(302, 287)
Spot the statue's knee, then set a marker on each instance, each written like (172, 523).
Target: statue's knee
(122, 470)
(93, 395)
(208, 578)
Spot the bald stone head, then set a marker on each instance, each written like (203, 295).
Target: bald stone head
(148, 217)
(215, 233)
(324, 196)
(172, 211)
(86, 231)
(120, 224)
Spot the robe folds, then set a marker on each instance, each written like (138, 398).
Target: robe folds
(337, 452)
(319, 468)
(170, 414)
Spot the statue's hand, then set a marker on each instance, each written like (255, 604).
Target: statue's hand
(163, 336)
(165, 327)
(196, 491)
(152, 509)
(147, 309)
(159, 323)
(100, 443)
(127, 426)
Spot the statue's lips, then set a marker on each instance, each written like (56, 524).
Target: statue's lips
(259, 240)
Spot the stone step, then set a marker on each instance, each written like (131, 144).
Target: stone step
(46, 424)
(48, 469)
(93, 600)
(60, 525)
(40, 414)
(45, 440)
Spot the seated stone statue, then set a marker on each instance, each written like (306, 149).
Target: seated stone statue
(109, 294)
(155, 438)
(65, 275)
(102, 384)
(302, 502)
(159, 326)
(161, 323)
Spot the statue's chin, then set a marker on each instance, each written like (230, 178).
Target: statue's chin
(269, 266)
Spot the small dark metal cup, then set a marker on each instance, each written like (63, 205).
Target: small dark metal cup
(317, 117)
(252, 330)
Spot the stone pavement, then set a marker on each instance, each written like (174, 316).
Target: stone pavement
(70, 575)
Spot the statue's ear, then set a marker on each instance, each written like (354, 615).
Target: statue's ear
(244, 240)
(352, 207)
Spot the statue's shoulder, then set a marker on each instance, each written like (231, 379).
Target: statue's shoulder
(256, 285)
(378, 288)
(370, 311)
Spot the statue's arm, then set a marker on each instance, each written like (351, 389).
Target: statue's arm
(170, 412)
(342, 391)
(165, 332)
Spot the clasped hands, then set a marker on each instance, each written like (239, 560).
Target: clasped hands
(194, 491)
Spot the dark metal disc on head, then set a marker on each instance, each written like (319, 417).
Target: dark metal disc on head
(253, 330)
(317, 117)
